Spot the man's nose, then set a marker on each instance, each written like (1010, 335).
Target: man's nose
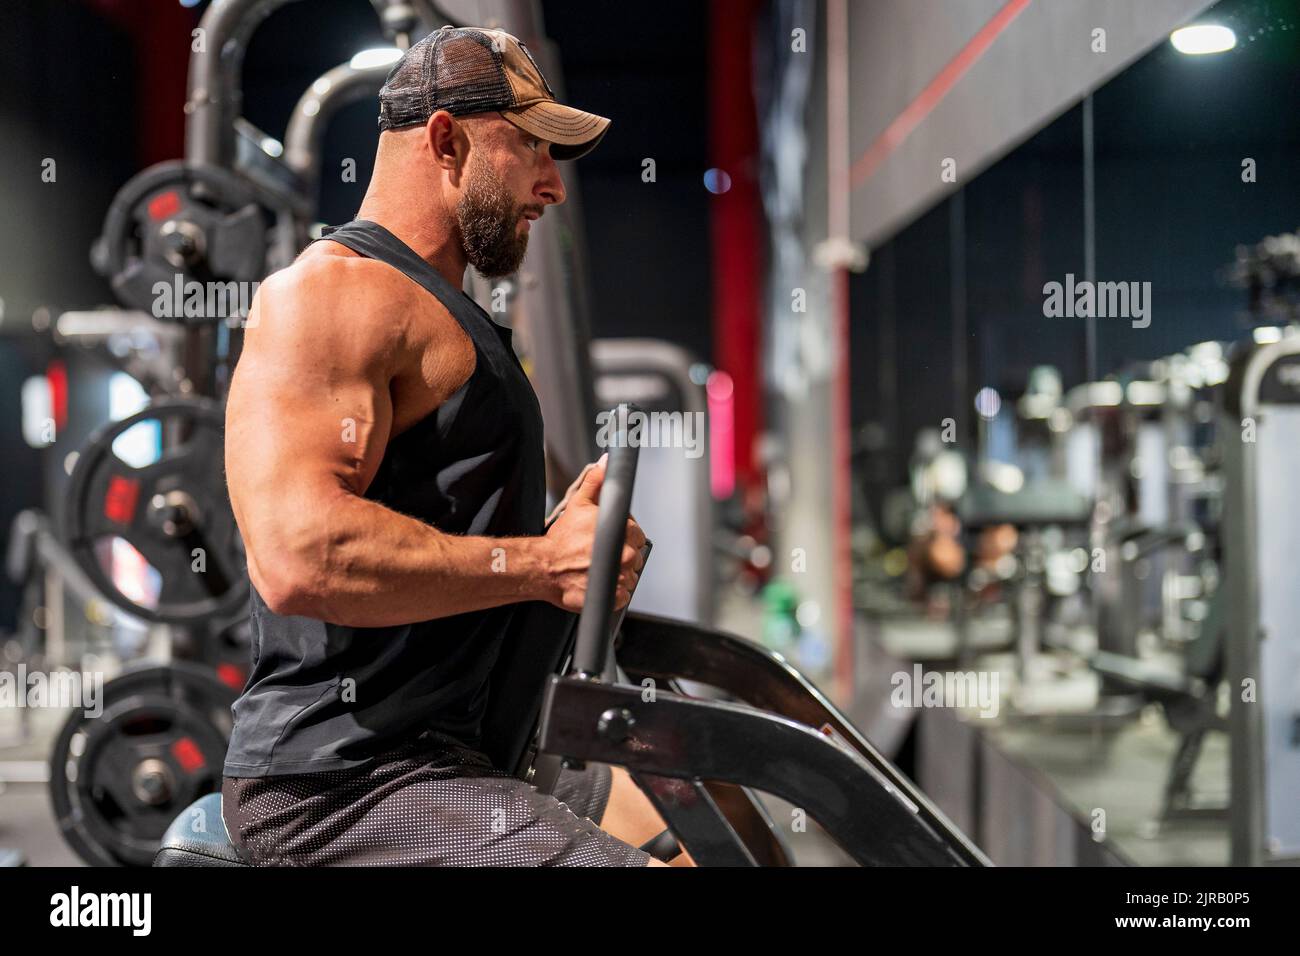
(551, 188)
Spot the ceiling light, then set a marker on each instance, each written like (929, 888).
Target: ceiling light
(1203, 38)
(379, 56)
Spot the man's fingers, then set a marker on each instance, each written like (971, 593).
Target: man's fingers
(569, 493)
(629, 556)
(577, 482)
(628, 579)
(589, 486)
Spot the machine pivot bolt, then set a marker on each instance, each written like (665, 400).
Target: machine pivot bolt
(616, 724)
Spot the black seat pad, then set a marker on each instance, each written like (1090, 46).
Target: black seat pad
(198, 837)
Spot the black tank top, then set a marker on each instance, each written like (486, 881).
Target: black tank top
(324, 697)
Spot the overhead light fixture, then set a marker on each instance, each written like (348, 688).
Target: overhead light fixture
(378, 56)
(988, 403)
(1201, 38)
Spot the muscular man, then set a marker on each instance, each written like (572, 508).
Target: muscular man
(384, 458)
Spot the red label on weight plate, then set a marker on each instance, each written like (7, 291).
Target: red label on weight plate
(164, 205)
(188, 754)
(120, 499)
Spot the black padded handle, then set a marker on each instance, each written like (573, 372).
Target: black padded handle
(611, 525)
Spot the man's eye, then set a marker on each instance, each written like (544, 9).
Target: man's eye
(534, 143)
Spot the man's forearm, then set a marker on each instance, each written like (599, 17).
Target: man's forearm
(363, 565)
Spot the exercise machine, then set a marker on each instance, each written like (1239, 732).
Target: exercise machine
(779, 735)
(1259, 433)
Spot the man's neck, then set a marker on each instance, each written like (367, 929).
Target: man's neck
(433, 241)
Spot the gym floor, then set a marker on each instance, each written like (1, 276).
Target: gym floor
(26, 817)
(1079, 762)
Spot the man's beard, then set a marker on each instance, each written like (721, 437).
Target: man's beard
(489, 222)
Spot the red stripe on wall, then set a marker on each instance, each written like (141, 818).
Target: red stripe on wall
(934, 92)
(161, 35)
(736, 220)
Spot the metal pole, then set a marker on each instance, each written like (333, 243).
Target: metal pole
(957, 292)
(215, 93)
(1089, 237)
(553, 309)
(838, 196)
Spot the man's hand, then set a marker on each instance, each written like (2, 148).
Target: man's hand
(570, 539)
(577, 483)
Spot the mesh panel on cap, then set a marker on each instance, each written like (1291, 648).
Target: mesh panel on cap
(404, 100)
(468, 77)
(453, 70)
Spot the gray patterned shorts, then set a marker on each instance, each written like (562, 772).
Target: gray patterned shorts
(432, 802)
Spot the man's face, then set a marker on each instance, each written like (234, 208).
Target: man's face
(509, 180)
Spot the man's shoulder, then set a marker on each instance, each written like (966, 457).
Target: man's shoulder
(322, 288)
(322, 275)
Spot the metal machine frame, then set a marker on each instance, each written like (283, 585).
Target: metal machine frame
(802, 750)
(1263, 387)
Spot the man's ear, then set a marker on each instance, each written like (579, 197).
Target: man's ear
(447, 139)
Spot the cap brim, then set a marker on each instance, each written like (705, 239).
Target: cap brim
(571, 132)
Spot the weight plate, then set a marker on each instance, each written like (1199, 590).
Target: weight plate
(179, 220)
(118, 780)
(173, 511)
